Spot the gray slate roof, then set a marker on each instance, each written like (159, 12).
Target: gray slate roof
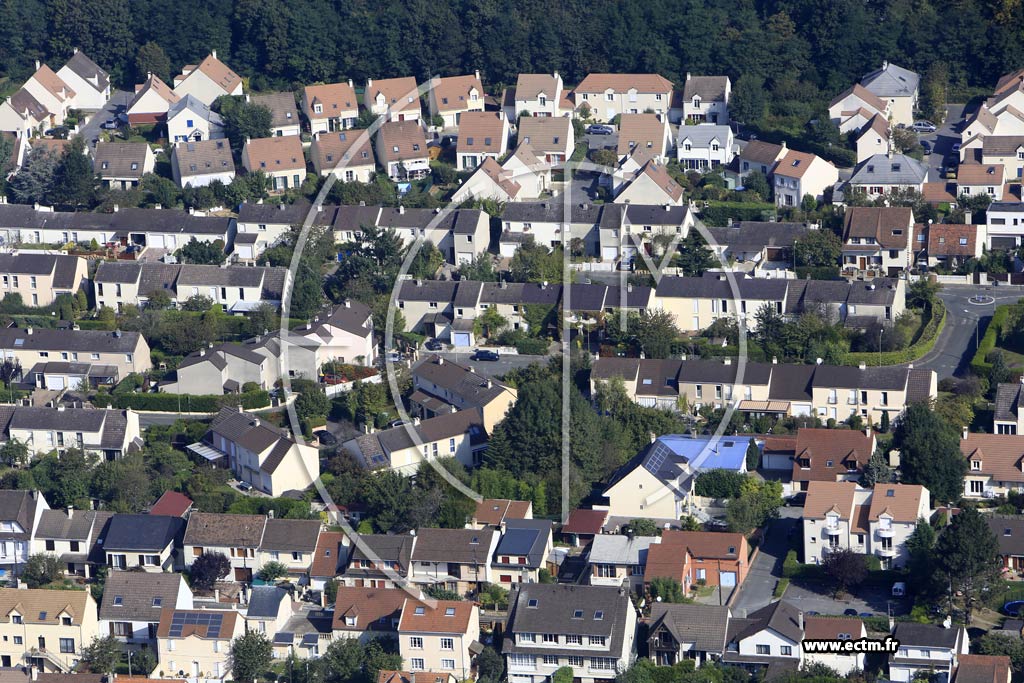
(125, 219)
(753, 235)
(524, 537)
(56, 525)
(926, 635)
(471, 387)
(120, 159)
(203, 157)
(466, 546)
(88, 70)
(283, 111)
(1008, 402)
(880, 169)
(291, 535)
(20, 507)
(95, 341)
(142, 532)
(781, 617)
(265, 602)
(555, 609)
(891, 81)
(705, 626)
(702, 135)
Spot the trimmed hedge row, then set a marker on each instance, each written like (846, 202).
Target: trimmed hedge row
(979, 365)
(719, 213)
(923, 345)
(170, 403)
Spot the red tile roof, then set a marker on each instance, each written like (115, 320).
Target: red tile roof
(585, 522)
(328, 554)
(443, 616)
(171, 503)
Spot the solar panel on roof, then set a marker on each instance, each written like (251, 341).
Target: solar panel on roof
(211, 620)
(310, 639)
(659, 452)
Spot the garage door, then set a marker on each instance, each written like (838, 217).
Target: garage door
(461, 339)
(609, 253)
(55, 382)
(728, 579)
(157, 241)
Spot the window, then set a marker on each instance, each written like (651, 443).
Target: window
(118, 600)
(447, 644)
(550, 638)
(17, 640)
(416, 663)
(597, 640)
(576, 661)
(764, 649)
(448, 664)
(122, 628)
(17, 619)
(976, 465)
(416, 643)
(67, 645)
(550, 660)
(787, 650)
(569, 640)
(50, 545)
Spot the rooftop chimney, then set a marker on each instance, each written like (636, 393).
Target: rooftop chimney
(490, 384)
(213, 53)
(440, 360)
(963, 433)
(28, 330)
(270, 514)
(38, 65)
(801, 613)
(348, 303)
(71, 511)
(416, 422)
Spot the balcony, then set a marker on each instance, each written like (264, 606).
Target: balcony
(886, 552)
(832, 530)
(885, 533)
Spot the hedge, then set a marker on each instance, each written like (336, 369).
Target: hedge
(790, 565)
(924, 344)
(719, 213)
(172, 403)
(979, 365)
(780, 588)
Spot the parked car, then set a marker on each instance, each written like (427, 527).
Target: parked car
(396, 423)
(484, 354)
(956, 148)
(923, 127)
(599, 129)
(325, 437)
(393, 357)
(245, 486)
(433, 345)
(849, 612)
(899, 589)
(109, 124)
(926, 146)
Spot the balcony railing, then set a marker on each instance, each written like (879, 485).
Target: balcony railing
(885, 552)
(885, 533)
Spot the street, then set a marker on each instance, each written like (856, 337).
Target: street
(91, 130)
(943, 140)
(757, 589)
(490, 368)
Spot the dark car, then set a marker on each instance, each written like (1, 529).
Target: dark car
(849, 612)
(433, 345)
(926, 146)
(325, 437)
(865, 615)
(483, 354)
(598, 129)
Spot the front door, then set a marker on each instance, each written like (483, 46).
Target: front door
(243, 575)
(863, 263)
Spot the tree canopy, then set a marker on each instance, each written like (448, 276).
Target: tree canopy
(930, 453)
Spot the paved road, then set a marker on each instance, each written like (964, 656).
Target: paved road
(965, 323)
(118, 98)
(491, 368)
(757, 588)
(943, 140)
(603, 141)
(876, 600)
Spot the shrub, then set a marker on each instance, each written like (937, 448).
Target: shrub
(790, 565)
(780, 588)
(923, 345)
(170, 403)
(719, 484)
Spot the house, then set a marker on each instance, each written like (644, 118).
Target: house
(482, 135)
(897, 86)
(616, 560)
(873, 138)
(1009, 532)
(68, 534)
(23, 114)
(262, 455)
(280, 158)
(151, 102)
(331, 107)
(522, 550)
(172, 503)
(198, 164)
(196, 643)
(644, 133)
(405, 448)
(121, 165)
(379, 561)
(453, 96)
(650, 185)
(830, 455)
(687, 631)
(799, 175)
(348, 154)
(1007, 417)
(439, 385)
(20, 515)
(705, 99)
(994, 464)
(699, 558)
(385, 676)
(342, 333)
(490, 181)
(999, 150)
(133, 602)
(237, 537)
(50, 91)
(763, 244)
(459, 235)
(494, 511)
(269, 609)
(190, 120)
(74, 376)
(458, 560)
(877, 239)
(292, 542)
(657, 483)
(108, 433)
(222, 369)
(1005, 223)
(41, 278)
(90, 82)
(609, 95)
(980, 179)
(440, 635)
(402, 150)
(209, 80)
(853, 108)
(583, 526)
(591, 629)
(399, 98)
(699, 148)
(367, 613)
(147, 542)
(950, 244)
(770, 635)
(835, 628)
(537, 95)
(841, 515)
(978, 668)
(883, 174)
(926, 648)
(284, 115)
(329, 558)
(127, 351)
(45, 629)
(549, 223)
(551, 139)
(760, 156)
(237, 288)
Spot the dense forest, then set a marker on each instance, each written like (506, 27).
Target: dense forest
(797, 51)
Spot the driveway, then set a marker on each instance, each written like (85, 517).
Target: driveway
(758, 588)
(602, 141)
(815, 597)
(91, 130)
(495, 368)
(943, 140)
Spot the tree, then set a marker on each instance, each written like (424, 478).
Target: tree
(967, 553)
(312, 403)
(846, 568)
(668, 589)
(934, 87)
(690, 523)
(749, 101)
(74, 183)
(753, 456)
(643, 527)
(197, 303)
(250, 656)
(921, 549)
(756, 182)
(15, 453)
(490, 322)
(818, 248)
(42, 569)
(605, 157)
(999, 373)
(151, 59)
(759, 502)
(877, 470)
(719, 483)
(202, 253)
(481, 268)
(243, 120)
(439, 592)
(1003, 645)
(930, 452)
(490, 665)
(694, 256)
(563, 674)
(10, 370)
(102, 655)
(272, 571)
(655, 332)
(34, 182)
(922, 293)
(208, 569)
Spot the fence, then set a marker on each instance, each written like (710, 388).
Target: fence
(333, 390)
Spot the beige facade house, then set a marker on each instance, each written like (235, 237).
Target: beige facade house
(609, 95)
(453, 96)
(151, 102)
(440, 385)
(898, 87)
(292, 542)
(330, 107)
(458, 435)
(993, 464)
(854, 107)
(877, 239)
(237, 537)
(23, 114)
(195, 644)
(489, 181)
(41, 278)
(761, 157)
(980, 179)
(108, 433)
(399, 98)
(650, 185)
(482, 135)
(440, 636)
(89, 81)
(873, 138)
(367, 613)
(209, 80)
(133, 603)
(347, 154)
(647, 132)
(458, 560)
(550, 139)
(198, 164)
(68, 534)
(142, 542)
(706, 99)
(402, 149)
(882, 174)
(281, 159)
(799, 174)
(284, 115)
(121, 165)
(537, 95)
(46, 629)
(52, 92)
(1008, 417)
(127, 351)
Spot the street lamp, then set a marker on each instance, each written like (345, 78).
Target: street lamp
(130, 653)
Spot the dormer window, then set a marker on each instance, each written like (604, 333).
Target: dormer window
(975, 465)
(896, 168)
(871, 168)
(318, 109)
